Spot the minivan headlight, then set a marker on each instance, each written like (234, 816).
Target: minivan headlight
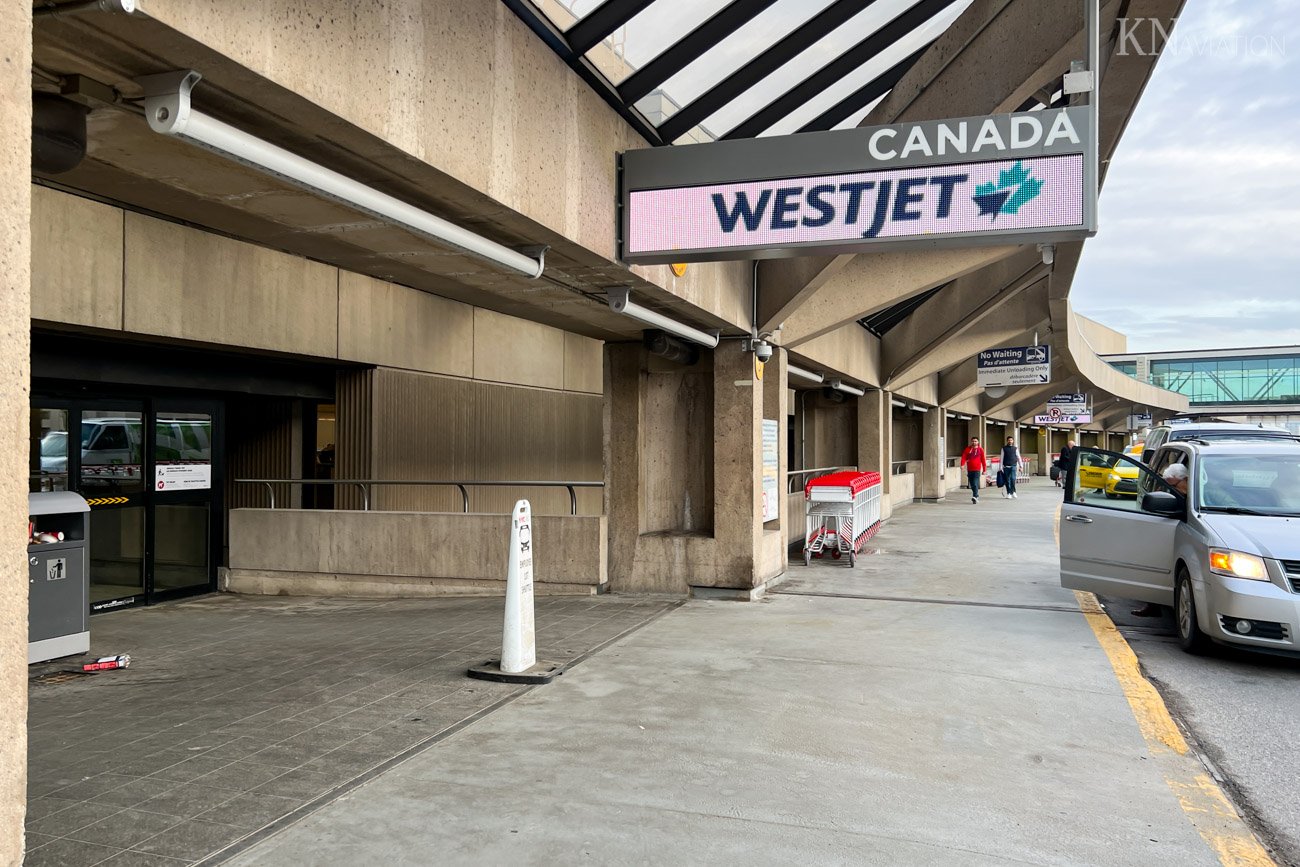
(1237, 564)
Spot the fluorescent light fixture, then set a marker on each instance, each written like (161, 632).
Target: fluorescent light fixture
(620, 302)
(168, 110)
(839, 385)
(899, 404)
(919, 408)
(796, 370)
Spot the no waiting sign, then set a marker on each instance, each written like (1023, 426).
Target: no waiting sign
(1014, 365)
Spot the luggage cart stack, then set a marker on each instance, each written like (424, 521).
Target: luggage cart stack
(843, 512)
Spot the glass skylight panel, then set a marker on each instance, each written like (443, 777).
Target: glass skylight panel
(648, 33)
(758, 35)
(867, 72)
(563, 13)
(807, 62)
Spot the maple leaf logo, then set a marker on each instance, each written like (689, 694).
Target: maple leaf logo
(1015, 188)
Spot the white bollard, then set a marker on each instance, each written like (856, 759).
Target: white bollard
(519, 638)
(518, 663)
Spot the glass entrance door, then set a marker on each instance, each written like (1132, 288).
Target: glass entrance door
(183, 498)
(151, 473)
(110, 475)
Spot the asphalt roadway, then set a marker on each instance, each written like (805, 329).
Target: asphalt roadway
(1242, 710)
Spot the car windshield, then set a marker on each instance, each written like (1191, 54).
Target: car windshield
(54, 444)
(1249, 484)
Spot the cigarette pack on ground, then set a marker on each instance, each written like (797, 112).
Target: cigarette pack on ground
(108, 663)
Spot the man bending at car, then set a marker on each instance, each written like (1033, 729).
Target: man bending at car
(1175, 475)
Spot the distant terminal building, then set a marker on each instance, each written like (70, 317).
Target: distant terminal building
(1254, 385)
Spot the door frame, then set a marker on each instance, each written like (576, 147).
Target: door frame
(1107, 572)
(148, 404)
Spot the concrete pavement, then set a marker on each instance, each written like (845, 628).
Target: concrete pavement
(839, 721)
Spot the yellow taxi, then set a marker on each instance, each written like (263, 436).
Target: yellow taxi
(1104, 474)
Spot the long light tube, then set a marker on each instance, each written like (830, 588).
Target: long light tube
(619, 302)
(168, 110)
(802, 373)
(839, 385)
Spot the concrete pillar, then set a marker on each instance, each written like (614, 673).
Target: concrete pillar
(622, 431)
(934, 459)
(977, 427)
(875, 434)
(684, 472)
(15, 361)
(737, 472)
(876, 442)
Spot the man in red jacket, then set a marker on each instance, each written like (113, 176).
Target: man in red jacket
(975, 462)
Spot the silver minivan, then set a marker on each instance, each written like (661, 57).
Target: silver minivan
(1223, 549)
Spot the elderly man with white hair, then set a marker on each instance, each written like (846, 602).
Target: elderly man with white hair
(1176, 476)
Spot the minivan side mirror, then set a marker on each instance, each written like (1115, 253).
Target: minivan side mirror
(1164, 503)
(1147, 455)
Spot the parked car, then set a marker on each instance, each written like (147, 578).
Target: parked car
(1173, 432)
(1225, 556)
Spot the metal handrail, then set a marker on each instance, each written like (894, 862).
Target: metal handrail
(364, 486)
(792, 473)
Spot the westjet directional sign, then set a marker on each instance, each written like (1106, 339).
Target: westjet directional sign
(1014, 178)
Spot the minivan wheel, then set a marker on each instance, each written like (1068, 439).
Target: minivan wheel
(1190, 636)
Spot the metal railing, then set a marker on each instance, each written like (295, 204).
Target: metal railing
(789, 477)
(364, 486)
(899, 468)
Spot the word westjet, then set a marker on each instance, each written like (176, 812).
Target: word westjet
(789, 207)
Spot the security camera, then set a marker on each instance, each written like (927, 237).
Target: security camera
(762, 350)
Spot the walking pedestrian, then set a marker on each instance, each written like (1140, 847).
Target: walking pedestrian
(975, 462)
(1010, 464)
(1068, 456)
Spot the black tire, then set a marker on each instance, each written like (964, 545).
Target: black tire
(1111, 496)
(1190, 636)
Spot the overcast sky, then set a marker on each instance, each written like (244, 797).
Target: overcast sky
(1199, 241)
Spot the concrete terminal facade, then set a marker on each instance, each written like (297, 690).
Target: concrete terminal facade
(158, 290)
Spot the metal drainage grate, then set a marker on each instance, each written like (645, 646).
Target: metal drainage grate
(1258, 628)
(59, 677)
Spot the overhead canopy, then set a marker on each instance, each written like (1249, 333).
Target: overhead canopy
(726, 69)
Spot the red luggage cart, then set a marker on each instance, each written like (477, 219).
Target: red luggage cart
(843, 512)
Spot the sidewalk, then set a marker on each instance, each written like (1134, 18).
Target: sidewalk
(837, 722)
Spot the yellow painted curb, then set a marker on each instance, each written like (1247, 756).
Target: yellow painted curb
(1201, 798)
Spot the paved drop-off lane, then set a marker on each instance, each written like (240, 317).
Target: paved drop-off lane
(805, 729)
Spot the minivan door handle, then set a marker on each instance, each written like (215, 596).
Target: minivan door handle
(1078, 519)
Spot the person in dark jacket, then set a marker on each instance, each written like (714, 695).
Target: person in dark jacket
(1010, 464)
(1067, 459)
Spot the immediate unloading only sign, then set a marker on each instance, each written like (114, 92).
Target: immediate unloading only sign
(1014, 365)
(958, 182)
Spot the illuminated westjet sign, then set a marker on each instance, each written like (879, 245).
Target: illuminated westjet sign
(1005, 179)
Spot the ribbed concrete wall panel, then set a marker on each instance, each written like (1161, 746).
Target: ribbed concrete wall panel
(439, 428)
